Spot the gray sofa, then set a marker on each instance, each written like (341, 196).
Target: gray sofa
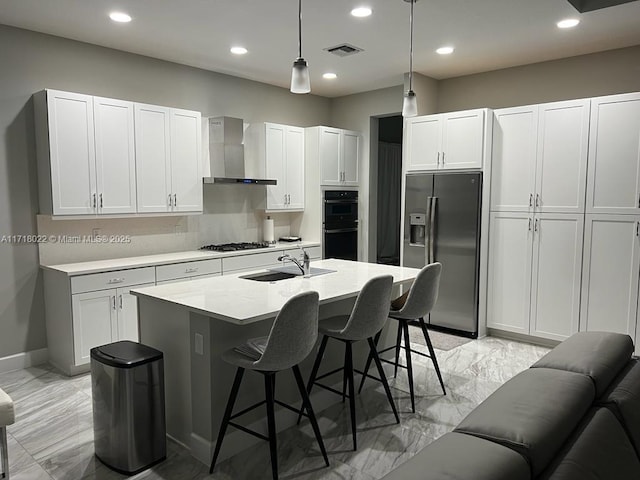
(574, 415)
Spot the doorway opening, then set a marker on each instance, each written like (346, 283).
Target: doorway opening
(389, 185)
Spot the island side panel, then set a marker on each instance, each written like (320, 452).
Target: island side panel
(166, 328)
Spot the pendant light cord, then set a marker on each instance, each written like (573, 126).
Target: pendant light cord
(410, 44)
(299, 28)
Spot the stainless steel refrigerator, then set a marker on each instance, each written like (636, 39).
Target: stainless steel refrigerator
(442, 224)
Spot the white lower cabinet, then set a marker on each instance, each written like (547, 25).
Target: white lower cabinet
(103, 317)
(610, 277)
(534, 273)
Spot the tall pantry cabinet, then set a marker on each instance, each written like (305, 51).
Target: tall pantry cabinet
(539, 169)
(612, 226)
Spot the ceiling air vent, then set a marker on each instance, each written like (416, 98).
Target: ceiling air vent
(344, 50)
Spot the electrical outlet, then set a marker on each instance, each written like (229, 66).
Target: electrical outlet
(199, 344)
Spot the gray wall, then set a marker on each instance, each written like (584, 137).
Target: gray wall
(604, 73)
(31, 62)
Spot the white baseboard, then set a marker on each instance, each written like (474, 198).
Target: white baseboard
(24, 360)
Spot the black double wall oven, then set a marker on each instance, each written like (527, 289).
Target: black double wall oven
(340, 224)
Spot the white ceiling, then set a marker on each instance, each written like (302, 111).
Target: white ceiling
(487, 34)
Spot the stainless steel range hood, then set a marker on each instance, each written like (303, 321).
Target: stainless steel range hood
(226, 154)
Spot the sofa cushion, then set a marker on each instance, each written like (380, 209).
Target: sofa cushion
(456, 456)
(533, 413)
(600, 355)
(598, 450)
(623, 398)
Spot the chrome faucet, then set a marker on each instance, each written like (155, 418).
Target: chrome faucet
(304, 267)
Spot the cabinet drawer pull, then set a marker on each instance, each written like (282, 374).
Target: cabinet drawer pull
(191, 270)
(115, 280)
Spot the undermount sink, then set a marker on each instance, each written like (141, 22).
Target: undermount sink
(269, 276)
(282, 273)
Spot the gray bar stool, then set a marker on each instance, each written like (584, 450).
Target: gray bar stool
(366, 320)
(420, 301)
(292, 337)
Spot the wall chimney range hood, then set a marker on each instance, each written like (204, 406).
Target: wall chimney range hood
(226, 154)
(591, 5)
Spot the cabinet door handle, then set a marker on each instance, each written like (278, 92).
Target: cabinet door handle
(120, 301)
(170, 201)
(443, 158)
(93, 200)
(537, 200)
(113, 302)
(529, 224)
(535, 226)
(101, 201)
(638, 201)
(638, 229)
(530, 200)
(175, 199)
(438, 159)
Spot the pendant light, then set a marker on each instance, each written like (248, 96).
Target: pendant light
(410, 103)
(300, 74)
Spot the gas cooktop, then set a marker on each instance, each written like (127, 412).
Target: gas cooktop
(232, 247)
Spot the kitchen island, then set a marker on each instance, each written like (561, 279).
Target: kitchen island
(194, 322)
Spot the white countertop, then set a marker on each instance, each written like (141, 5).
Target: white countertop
(97, 266)
(242, 301)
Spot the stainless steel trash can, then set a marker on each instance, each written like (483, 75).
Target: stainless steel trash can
(127, 381)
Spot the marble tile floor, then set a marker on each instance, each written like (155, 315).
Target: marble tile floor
(53, 434)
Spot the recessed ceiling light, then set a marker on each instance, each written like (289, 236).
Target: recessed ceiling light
(329, 76)
(445, 50)
(238, 50)
(361, 12)
(568, 23)
(120, 17)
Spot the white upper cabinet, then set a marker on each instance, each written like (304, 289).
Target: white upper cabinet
(115, 155)
(86, 157)
(338, 154)
(153, 164)
(277, 151)
(614, 155)
(168, 163)
(445, 141)
(102, 156)
(561, 167)
(514, 159)
(540, 158)
(610, 277)
(186, 160)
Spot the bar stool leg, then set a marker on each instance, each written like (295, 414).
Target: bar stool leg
(306, 403)
(367, 365)
(387, 390)
(352, 397)
(344, 375)
(425, 332)
(271, 422)
(5, 453)
(407, 351)
(314, 370)
(398, 338)
(227, 415)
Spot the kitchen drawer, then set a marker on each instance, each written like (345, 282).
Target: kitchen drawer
(251, 262)
(188, 269)
(115, 279)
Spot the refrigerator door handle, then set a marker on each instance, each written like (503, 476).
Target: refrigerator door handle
(427, 236)
(432, 229)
